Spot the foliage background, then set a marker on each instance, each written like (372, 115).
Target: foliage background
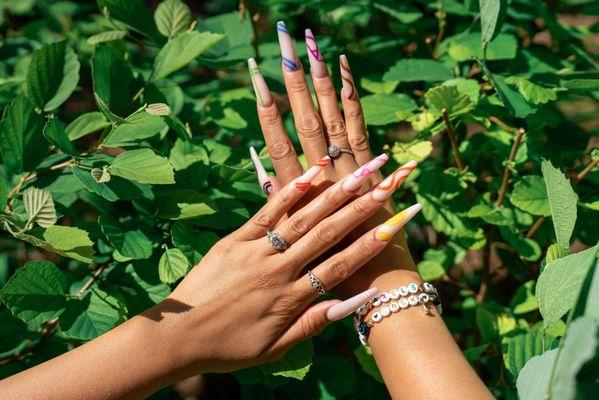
(498, 221)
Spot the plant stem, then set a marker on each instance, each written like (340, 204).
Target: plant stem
(502, 124)
(506, 170)
(484, 285)
(582, 174)
(452, 139)
(441, 17)
(93, 278)
(535, 227)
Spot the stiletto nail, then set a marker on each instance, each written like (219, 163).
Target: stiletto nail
(263, 177)
(287, 49)
(349, 89)
(387, 230)
(385, 189)
(317, 65)
(354, 180)
(345, 308)
(262, 93)
(303, 182)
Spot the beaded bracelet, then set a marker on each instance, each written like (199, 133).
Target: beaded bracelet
(394, 294)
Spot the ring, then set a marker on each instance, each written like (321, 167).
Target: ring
(276, 240)
(334, 151)
(316, 283)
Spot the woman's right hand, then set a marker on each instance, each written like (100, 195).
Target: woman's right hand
(246, 303)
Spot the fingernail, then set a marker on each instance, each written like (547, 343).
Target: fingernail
(349, 88)
(303, 182)
(287, 49)
(262, 93)
(385, 189)
(354, 180)
(345, 308)
(319, 69)
(387, 230)
(263, 177)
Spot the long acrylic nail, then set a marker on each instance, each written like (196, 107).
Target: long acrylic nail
(385, 189)
(303, 182)
(354, 180)
(349, 89)
(290, 60)
(263, 178)
(345, 308)
(262, 93)
(387, 230)
(317, 65)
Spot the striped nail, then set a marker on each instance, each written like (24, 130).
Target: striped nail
(386, 231)
(304, 182)
(263, 177)
(349, 89)
(345, 308)
(385, 189)
(354, 180)
(290, 60)
(319, 69)
(262, 93)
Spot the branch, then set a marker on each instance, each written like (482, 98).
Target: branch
(93, 278)
(506, 171)
(452, 139)
(582, 174)
(484, 285)
(502, 124)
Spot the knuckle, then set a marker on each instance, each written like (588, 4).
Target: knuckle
(325, 89)
(270, 117)
(299, 224)
(365, 247)
(309, 126)
(264, 219)
(280, 149)
(336, 128)
(297, 85)
(326, 234)
(331, 198)
(358, 142)
(310, 325)
(339, 270)
(354, 113)
(362, 208)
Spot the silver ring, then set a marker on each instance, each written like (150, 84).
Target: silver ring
(316, 283)
(276, 240)
(334, 151)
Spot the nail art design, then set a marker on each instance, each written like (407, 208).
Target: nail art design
(262, 93)
(317, 65)
(263, 177)
(385, 189)
(287, 49)
(348, 81)
(354, 180)
(303, 182)
(387, 230)
(345, 308)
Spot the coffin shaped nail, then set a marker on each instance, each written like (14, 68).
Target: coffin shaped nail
(385, 189)
(354, 180)
(386, 231)
(263, 95)
(290, 60)
(317, 64)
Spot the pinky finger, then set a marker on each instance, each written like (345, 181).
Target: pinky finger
(269, 184)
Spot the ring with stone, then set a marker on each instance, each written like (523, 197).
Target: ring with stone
(334, 151)
(276, 240)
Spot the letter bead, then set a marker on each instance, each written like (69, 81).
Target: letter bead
(384, 297)
(394, 294)
(385, 312)
(377, 317)
(403, 291)
(413, 288)
(428, 288)
(413, 300)
(394, 307)
(376, 302)
(423, 298)
(403, 303)
(361, 310)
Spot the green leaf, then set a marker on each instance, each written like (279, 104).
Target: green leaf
(3, 193)
(487, 323)
(580, 81)
(383, 109)
(430, 270)
(172, 266)
(526, 248)
(560, 283)
(489, 13)
(464, 48)
(85, 124)
(134, 13)
(52, 76)
(366, 360)
(417, 151)
(114, 190)
(107, 36)
(180, 51)
(511, 99)
(524, 300)
(469, 87)
(40, 207)
(129, 243)
(142, 166)
(70, 241)
(520, 348)
(414, 70)
(294, 364)
(100, 175)
(449, 98)
(562, 202)
(36, 292)
(185, 204)
(377, 86)
(57, 136)
(193, 243)
(554, 252)
(530, 195)
(533, 381)
(533, 93)
(135, 128)
(172, 18)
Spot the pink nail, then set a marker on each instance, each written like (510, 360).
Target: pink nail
(317, 65)
(290, 60)
(354, 180)
(386, 231)
(385, 189)
(345, 308)
(304, 182)
(263, 178)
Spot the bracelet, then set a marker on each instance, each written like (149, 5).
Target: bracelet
(394, 294)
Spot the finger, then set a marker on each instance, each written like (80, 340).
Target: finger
(334, 126)
(342, 265)
(307, 122)
(269, 184)
(279, 145)
(327, 202)
(281, 202)
(354, 117)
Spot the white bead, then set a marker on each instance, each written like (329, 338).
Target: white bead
(413, 300)
(394, 307)
(423, 298)
(412, 288)
(361, 310)
(376, 302)
(403, 303)
(384, 297)
(394, 294)
(403, 291)
(385, 312)
(377, 317)
(428, 287)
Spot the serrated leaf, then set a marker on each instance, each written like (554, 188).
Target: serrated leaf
(117, 189)
(100, 175)
(158, 109)
(562, 202)
(172, 266)
(526, 248)
(85, 124)
(489, 13)
(530, 195)
(449, 98)
(414, 70)
(383, 109)
(67, 241)
(135, 128)
(520, 348)
(180, 51)
(533, 93)
(134, 13)
(107, 36)
(142, 166)
(430, 270)
(57, 136)
(524, 300)
(40, 206)
(172, 17)
(52, 76)
(417, 151)
(193, 243)
(36, 292)
(468, 47)
(130, 243)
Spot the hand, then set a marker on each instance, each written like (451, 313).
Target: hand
(317, 129)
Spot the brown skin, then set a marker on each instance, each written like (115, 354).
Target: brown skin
(416, 354)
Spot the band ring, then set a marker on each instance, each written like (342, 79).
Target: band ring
(316, 283)
(334, 151)
(276, 240)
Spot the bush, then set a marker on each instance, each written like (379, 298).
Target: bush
(124, 145)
